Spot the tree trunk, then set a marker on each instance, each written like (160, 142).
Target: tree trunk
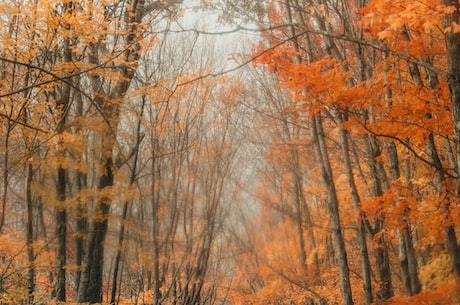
(121, 234)
(453, 64)
(108, 99)
(439, 181)
(322, 157)
(155, 191)
(61, 210)
(416, 287)
(62, 106)
(82, 229)
(90, 287)
(361, 233)
(298, 220)
(295, 170)
(29, 236)
(379, 182)
(407, 258)
(304, 210)
(81, 213)
(61, 237)
(96, 248)
(5, 172)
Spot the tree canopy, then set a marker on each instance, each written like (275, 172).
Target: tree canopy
(275, 152)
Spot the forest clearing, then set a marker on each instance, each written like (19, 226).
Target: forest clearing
(230, 152)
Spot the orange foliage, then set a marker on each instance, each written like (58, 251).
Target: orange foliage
(447, 294)
(404, 100)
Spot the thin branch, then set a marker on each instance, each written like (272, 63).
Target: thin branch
(371, 44)
(409, 147)
(23, 124)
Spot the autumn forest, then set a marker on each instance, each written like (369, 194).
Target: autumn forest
(230, 152)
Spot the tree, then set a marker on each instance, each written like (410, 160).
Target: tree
(373, 82)
(139, 173)
(452, 37)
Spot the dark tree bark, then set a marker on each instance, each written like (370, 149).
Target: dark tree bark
(96, 248)
(379, 184)
(61, 237)
(30, 235)
(453, 64)
(62, 106)
(90, 287)
(298, 210)
(81, 229)
(361, 233)
(82, 209)
(439, 182)
(407, 258)
(121, 234)
(6, 174)
(322, 157)
(61, 210)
